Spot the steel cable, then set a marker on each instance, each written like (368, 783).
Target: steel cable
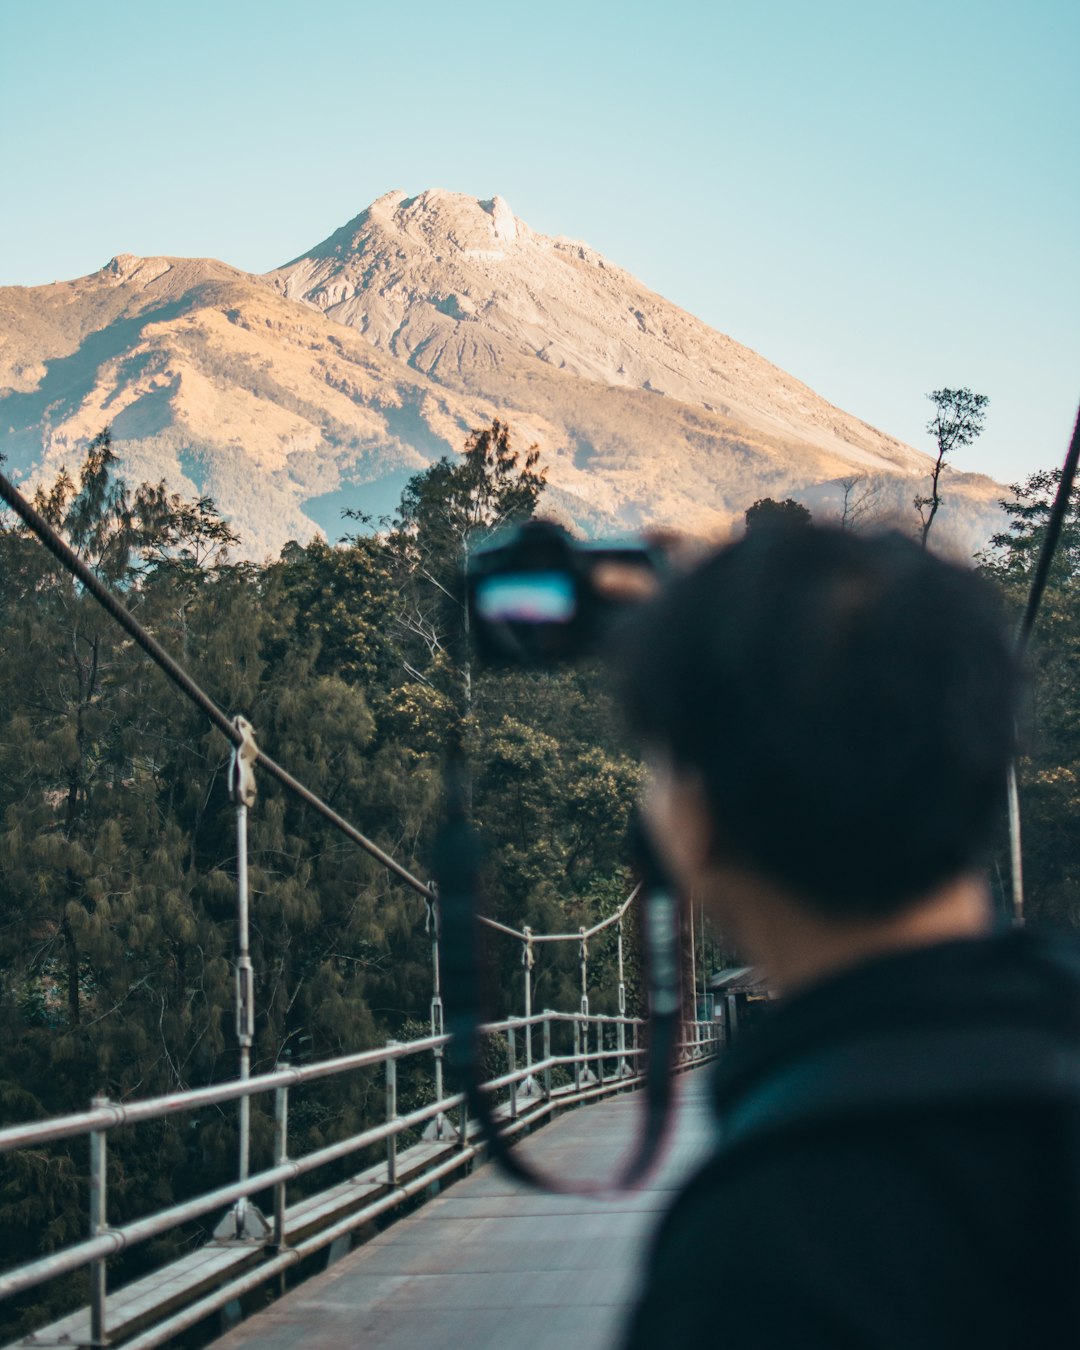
(113, 606)
(1054, 524)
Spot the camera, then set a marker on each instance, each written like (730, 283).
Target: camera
(534, 598)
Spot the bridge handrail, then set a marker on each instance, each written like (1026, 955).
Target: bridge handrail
(109, 1241)
(586, 933)
(117, 1114)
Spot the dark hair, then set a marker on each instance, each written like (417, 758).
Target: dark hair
(848, 702)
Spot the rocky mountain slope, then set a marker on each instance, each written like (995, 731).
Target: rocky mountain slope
(330, 380)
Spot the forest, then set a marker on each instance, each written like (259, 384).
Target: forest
(351, 662)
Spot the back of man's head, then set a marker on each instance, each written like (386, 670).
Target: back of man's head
(848, 704)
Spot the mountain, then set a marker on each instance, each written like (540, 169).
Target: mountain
(328, 381)
(212, 381)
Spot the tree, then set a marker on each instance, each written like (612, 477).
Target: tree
(767, 512)
(445, 512)
(340, 603)
(957, 421)
(861, 504)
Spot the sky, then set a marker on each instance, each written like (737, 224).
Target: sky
(881, 198)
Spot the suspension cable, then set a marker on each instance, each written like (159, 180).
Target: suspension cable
(1055, 522)
(183, 681)
(614, 917)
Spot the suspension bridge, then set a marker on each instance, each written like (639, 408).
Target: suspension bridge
(271, 1227)
(484, 1254)
(252, 1255)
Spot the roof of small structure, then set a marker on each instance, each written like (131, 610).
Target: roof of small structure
(737, 980)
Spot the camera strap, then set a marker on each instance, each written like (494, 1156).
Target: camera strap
(457, 874)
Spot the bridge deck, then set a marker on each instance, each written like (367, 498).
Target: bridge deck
(489, 1264)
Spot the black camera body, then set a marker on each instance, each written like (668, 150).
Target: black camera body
(533, 596)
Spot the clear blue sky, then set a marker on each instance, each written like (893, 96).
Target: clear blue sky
(882, 198)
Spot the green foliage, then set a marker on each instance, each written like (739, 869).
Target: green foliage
(766, 511)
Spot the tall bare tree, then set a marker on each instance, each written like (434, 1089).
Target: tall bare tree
(957, 420)
(861, 504)
(445, 512)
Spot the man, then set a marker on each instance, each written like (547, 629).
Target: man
(828, 721)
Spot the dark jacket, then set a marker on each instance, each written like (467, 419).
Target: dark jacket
(899, 1166)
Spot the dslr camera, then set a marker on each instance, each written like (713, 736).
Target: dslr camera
(537, 597)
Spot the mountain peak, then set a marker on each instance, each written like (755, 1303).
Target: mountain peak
(255, 391)
(435, 220)
(458, 287)
(126, 267)
(454, 219)
(502, 218)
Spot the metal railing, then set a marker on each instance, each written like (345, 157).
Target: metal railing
(603, 1058)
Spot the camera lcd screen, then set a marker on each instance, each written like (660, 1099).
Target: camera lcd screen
(527, 597)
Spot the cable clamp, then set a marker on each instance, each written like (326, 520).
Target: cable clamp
(242, 764)
(432, 924)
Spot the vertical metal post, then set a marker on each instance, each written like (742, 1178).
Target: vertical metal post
(511, 1061)
(577, 1054)
(622, 1069)
(436, 1003)
(547, 1055)
(600, 1050)
(693, 965)
(98, 1223)
(391, 1116)
(706, 997)
(281, 1155)
(527, 962)
(242, 791)
(528, 1086)
(245, 1012)
(583, 963)
(1015, 854)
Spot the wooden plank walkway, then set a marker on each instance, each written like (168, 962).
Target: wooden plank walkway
(488, 1264)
